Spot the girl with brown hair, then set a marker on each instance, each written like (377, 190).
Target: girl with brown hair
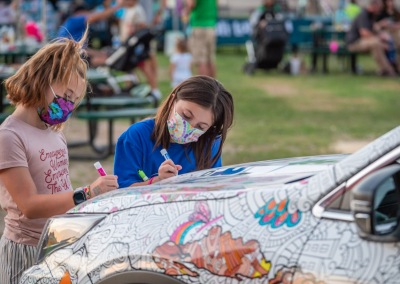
(34, 177)
(192, 124)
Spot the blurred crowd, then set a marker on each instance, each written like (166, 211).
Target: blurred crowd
(111, 24)
(373, 28)
(376, 30)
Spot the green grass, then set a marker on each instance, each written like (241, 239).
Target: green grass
(278, 116)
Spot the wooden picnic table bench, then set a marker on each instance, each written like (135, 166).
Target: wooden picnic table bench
(110, 115)
(320, 46)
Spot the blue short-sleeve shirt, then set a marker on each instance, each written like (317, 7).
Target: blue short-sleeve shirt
(134, 152)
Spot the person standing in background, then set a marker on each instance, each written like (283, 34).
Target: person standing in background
(202, 42)
(154, 10)
(180, 67)
(133, 19)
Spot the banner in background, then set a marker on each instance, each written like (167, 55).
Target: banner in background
(232, 31)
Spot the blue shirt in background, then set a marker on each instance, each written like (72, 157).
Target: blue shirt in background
(134, 152)
(73, 28)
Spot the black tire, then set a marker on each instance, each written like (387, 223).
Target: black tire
(140, 277)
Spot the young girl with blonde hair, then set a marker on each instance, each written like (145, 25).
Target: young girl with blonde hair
(34, 177)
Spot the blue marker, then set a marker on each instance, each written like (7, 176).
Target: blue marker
(166, 156)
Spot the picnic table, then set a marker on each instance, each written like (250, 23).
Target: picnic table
(320, 45)
(110, 116)
(18, 51)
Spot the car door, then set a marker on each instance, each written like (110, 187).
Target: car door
(335, 252)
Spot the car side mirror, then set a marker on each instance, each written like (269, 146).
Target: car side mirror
(375, 205)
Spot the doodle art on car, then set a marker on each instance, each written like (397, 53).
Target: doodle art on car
(217, 252)
(276, 214)
(198, 221)
(294, 275)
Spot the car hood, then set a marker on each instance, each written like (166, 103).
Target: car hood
(213, 183)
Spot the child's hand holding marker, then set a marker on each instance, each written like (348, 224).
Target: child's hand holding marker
(104, 183)
(168, 168)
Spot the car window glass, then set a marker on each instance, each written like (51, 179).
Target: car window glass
(386, 207)
(342, 203)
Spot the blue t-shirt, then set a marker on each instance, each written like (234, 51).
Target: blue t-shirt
(73, 28)
(135, 152)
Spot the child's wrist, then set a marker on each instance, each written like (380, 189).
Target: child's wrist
(154, 180)
(87, 192)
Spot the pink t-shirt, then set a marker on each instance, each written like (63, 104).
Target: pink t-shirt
(45, 154)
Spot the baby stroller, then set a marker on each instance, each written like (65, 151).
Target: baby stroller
(126, 58)
(267, 48)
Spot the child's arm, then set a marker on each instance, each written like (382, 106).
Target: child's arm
(22, 189)
(107, 13)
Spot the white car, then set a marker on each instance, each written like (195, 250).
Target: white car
(324, 219)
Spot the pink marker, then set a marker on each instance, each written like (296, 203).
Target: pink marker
(100, 169)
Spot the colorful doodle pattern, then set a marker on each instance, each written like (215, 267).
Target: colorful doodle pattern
(146, 229)
(276, 214)
(294, 275)
(217, 252)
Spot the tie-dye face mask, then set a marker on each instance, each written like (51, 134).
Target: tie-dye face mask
(181, 131)
(58, 111)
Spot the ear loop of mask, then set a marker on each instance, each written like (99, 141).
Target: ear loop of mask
(53, 91)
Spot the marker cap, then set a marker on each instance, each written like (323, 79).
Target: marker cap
(97, 165)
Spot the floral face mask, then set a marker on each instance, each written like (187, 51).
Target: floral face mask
(58, 111)
(181, 131)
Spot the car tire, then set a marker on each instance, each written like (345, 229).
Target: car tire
(139, 277)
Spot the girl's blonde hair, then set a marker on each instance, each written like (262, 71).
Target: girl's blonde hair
(55, 62)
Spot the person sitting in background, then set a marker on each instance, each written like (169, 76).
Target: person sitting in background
(102, 29)
(74, 27)
(363, 38)
(389, 21)
(390, 12)
(180, 64)
(352, 10)
(269, 10)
